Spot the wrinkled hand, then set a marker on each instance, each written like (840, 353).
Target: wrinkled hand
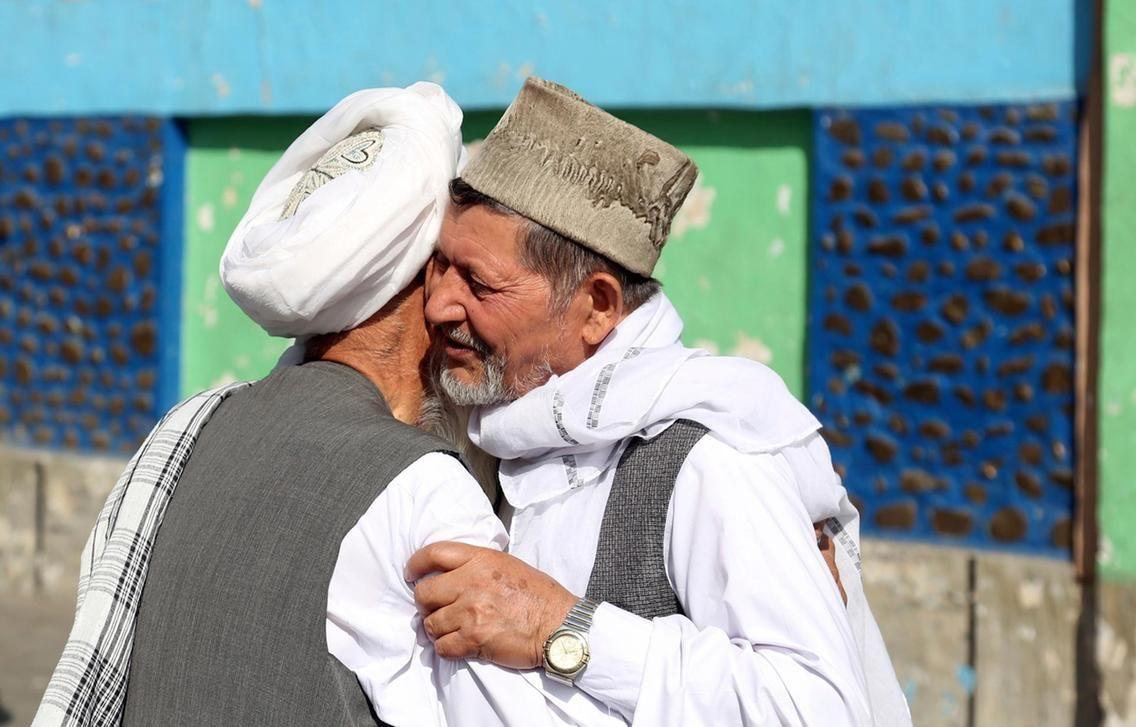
(828, 550)
(485, 604)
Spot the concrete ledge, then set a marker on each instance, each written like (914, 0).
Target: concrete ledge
(976, 637)
(920, 597)
(1116, 651)
(48, 503)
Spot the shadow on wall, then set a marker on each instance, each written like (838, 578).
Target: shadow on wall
(681, 127)
(691, 127)
(248, 133)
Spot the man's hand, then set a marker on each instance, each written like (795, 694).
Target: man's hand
(485, 604)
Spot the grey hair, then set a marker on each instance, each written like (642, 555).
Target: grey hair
(563, 262)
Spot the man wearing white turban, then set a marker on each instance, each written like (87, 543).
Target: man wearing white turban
(273, 591)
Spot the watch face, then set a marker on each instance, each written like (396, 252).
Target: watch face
(566, 652)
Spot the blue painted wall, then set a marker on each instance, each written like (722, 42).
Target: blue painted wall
(941, 326)
(89, 252)
(288, 56)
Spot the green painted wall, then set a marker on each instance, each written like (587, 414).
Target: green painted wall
(1118, 342)
(735, 265)
(226, 160)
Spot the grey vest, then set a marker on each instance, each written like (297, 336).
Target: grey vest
(630, 568)
(231, 626)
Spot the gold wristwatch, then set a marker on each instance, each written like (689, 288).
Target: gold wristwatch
(566, 650)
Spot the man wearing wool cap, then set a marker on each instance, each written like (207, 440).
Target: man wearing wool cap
(663, 500)
(273, 591)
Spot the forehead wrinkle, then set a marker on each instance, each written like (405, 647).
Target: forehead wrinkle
(492, 267)
(457, 244)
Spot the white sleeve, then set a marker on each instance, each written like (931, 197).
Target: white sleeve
(765, 639)
(372, 621)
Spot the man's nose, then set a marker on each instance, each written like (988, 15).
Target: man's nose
(443, 298)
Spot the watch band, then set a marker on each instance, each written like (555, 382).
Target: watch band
(580, 616)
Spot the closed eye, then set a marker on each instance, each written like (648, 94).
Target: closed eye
(479, 288)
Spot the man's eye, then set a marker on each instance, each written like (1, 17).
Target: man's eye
(478, 288)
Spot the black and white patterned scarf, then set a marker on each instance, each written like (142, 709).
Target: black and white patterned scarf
(88, 686)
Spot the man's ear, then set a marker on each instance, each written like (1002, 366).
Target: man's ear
(604, 296)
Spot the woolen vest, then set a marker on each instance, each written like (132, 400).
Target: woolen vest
(231, 627)
(630, 566)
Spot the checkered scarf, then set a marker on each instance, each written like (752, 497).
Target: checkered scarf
(88, 686)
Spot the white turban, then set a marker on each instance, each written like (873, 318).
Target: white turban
(363, 228)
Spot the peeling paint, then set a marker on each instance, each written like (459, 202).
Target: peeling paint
(695, 214)
(784, 197)
(1031, 593)
(220, 86)
(224, 379)
(1112, 648)
(1050, 660)
(706, 345)
(752, 348)
(964, 673)
(205, 218)
(1122, 79)
(1026, 633)
(1104, 551)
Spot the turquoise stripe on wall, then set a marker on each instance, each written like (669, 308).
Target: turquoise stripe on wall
(296, 56)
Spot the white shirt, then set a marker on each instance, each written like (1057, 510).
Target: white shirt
(765, 640)
(373, 625)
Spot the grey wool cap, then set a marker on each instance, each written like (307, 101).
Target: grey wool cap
(576, 169)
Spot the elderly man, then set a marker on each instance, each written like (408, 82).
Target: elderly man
(273, 591)
(666, 496)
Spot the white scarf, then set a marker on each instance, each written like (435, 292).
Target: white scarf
(571, 431)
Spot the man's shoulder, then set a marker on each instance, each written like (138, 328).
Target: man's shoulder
(720, 466)
(713, 450)
(348, 426)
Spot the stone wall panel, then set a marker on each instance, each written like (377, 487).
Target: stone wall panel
(941, 318)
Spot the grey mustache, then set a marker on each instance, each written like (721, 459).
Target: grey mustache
(459, 336)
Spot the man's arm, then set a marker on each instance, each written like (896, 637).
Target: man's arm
(765, 639)
(372, 621)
